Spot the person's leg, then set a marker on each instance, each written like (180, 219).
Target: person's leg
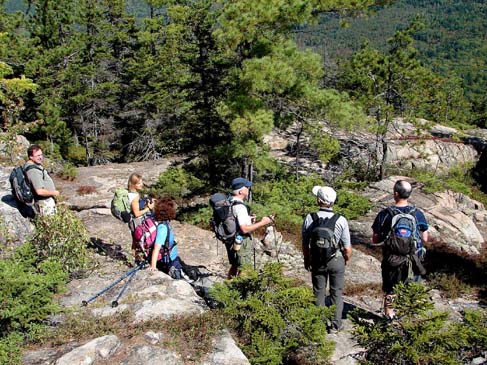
(246, 253)
(391, 275)
(319, 280)
(336, 271)
(232, 259)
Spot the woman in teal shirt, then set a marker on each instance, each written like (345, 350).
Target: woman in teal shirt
(165, 252)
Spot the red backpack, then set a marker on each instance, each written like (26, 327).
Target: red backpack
(143, 239)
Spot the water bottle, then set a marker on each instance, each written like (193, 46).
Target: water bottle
(238, 242)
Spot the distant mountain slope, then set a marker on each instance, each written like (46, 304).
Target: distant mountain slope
(454, 39)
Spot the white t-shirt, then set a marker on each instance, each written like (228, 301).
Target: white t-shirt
(132, 196)
(240, 212)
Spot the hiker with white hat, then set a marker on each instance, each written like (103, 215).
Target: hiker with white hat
(326, 250)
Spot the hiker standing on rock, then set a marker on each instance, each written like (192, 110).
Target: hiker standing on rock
(403, 229)
(165, 252)
(41, 182)
(240, 251)
(326, 250)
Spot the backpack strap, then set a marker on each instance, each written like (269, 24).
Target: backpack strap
(33, 166)
(334, 219)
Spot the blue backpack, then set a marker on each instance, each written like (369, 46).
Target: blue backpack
(403, 239)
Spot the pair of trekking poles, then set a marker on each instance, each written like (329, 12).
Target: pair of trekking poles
(130, 275)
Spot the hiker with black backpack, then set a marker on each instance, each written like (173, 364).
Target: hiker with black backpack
(403, 231)
(326, 250)
(42, 184)
(239, 248)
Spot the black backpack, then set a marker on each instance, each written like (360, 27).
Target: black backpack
(22, 191)
(223, 222)
(323, 245)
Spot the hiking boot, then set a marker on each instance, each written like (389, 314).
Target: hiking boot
(334, 329)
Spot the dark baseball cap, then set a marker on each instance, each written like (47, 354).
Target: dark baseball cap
(240, 182)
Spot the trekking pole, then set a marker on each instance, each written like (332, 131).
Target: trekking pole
(125, 286)
(85, 302)
(278, 248)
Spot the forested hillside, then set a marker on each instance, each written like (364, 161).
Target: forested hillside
(452, 43)
(99, 81)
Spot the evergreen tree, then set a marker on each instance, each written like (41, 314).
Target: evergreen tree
(12, 92)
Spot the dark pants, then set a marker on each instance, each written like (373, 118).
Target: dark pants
(172, 268)
(335, 273)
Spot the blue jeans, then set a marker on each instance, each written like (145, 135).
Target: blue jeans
(335, 273)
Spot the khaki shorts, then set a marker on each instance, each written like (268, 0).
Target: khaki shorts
(46, 206)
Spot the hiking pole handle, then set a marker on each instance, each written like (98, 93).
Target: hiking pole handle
(85, 302)
(124, 288)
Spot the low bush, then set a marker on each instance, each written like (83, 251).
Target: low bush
(176, 182)
(11, 349)
(420, 334)
(68, 172)
(274, 318)
(64, 237)
(458, 179)
(290, 199)
(27, 287)
(450, 285)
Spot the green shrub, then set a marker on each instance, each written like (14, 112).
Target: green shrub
(275, 320)
(458, 179)
(290, 199)
(420, 334)
(27, 287)
(62, 236)
(76, 154)
(11, 349)
(199, 218)
(68, 172)
(176, 182)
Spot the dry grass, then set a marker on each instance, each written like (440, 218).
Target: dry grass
(191, 336)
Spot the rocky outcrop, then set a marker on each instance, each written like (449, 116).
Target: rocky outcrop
(436, 149)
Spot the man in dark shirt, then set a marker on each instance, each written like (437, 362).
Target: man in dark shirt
(391, 275)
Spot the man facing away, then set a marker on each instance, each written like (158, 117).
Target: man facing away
(331, 269)
(392, 273)
(240, 253)
(42, 184)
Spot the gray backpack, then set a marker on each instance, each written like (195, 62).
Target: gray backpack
(223, 222)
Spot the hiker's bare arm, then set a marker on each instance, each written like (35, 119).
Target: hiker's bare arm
(375, 238)
(46, 193)
(153, 259)
(135, 207)
(424, 236)
(347, 253)
(252, 227)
